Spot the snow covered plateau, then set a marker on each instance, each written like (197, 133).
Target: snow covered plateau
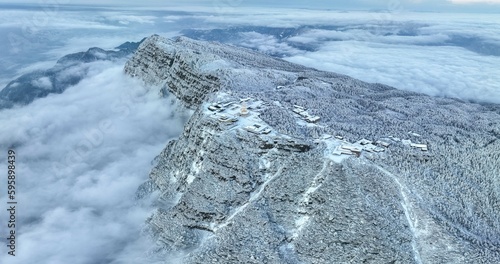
(280, 163)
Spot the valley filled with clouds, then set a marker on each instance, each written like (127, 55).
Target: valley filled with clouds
(81, 156)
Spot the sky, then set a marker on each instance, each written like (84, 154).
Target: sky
(83, 153)
(414, 51)
(488, 6)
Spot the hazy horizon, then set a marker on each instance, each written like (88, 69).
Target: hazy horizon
(451, 6)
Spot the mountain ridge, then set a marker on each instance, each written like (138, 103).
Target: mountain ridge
(68, 71)
(280, 163)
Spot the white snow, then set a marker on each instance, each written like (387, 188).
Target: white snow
(299, 225)
(190, 178)
(214, 65)
(264, 163)
(44, 83)
(332, 151)
(407, 208)
(173, 178)
(196, 167)
(253, 197)
(315, 184)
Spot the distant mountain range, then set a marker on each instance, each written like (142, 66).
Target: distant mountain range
(233, 35)
(68, 71)
(28, 87)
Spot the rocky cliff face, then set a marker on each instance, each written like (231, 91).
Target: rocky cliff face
(284, 164)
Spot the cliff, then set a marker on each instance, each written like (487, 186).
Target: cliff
(280, 163)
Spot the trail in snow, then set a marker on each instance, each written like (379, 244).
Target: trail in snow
(316, 183)
(406, 204)
(253, 197)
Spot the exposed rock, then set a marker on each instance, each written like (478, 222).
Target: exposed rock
(287, 195)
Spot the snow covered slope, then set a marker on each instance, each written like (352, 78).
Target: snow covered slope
(285, 164)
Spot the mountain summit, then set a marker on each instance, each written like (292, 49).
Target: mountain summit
(280, 163)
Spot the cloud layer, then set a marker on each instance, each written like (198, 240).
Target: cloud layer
(451, 55)
(81, 155)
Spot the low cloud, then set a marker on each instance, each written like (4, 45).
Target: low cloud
(317, 36)
(428, 53)
(449, 72)
(127, 18)
(47, 34)
(266, 44)
(43, 82)
(80, 157)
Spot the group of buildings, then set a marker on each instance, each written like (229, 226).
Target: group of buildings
(231, 112)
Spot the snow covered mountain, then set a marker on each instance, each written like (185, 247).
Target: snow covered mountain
(280, 163)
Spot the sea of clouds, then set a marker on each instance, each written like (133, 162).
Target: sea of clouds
(447, 55)
(440, 54)
(83, 153)
(80, 157)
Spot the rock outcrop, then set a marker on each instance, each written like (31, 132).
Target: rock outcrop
(280, 163)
